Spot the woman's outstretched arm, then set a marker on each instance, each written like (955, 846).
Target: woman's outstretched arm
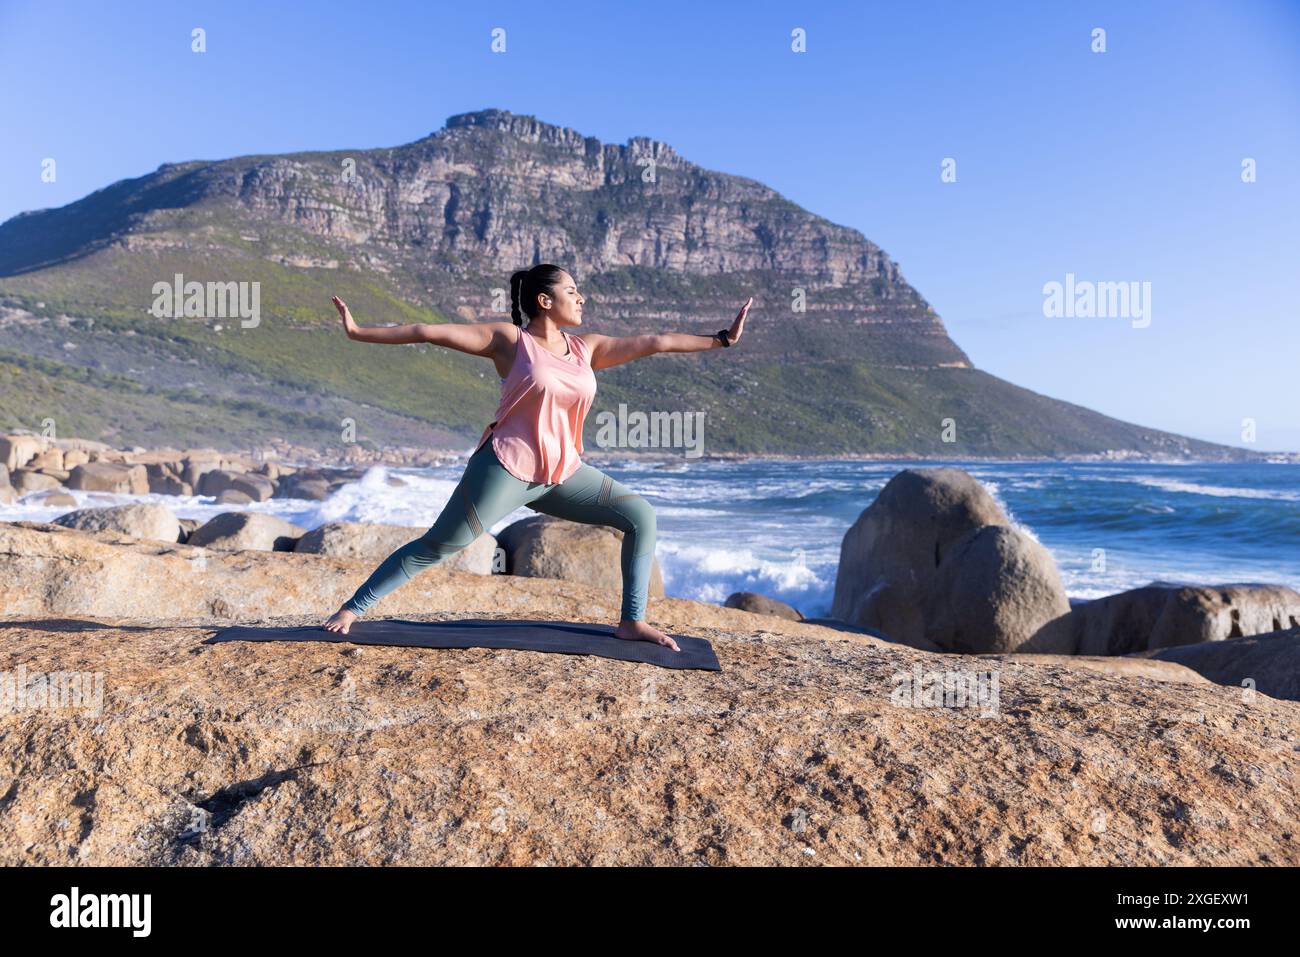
(392, 335)
(479, 339)
(609, 351)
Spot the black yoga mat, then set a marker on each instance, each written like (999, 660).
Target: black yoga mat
(562, 637)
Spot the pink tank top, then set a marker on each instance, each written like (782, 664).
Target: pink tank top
(537, 429)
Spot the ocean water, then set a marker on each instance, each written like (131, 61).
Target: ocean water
(775, 527)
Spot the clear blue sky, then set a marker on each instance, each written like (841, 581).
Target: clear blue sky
(1122, 166)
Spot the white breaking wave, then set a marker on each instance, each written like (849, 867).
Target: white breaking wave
(1192, 488)
(995, 491)
(711, 574)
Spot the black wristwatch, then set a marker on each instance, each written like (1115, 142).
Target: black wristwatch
(725, 336)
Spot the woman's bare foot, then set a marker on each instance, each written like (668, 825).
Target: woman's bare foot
(341, 621)
(630, 630)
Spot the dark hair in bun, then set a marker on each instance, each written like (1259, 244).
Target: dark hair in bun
(527, 284)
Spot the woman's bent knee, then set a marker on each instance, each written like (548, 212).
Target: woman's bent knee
(436, 549)
(638, 512)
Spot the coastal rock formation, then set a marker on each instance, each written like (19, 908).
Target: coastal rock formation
(198, 463)
(49, 570)
(806, 749)
(51, 459)
(26, 480)
(544, 546)
(148, 520)
(233, 531)
(257, 487)
(46, 465)
(18, 450)
(1162, 615)
(933, 562)
(997, 589)
(1268, 664)
(110, 477)
(758, 604)
(373, 543)
(165, 479)
(810, 746)
(315, 489)
(890, 555)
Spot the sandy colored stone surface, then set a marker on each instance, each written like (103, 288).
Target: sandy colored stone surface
(796, 753)
(318, 753)
(1157, 670)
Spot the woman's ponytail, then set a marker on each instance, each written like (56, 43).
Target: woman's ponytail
(516, 285)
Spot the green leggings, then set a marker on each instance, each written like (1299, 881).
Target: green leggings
(487, 493)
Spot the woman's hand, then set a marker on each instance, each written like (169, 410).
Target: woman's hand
(738, 327)
(349, 324)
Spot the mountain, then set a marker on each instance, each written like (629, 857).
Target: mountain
(430, 232)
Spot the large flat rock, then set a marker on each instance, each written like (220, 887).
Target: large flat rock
(796, 753)
(801, 751)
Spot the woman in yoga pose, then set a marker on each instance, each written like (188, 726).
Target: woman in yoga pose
(547, 386)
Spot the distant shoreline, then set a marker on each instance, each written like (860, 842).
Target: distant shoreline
(404, 459)
(354, 456)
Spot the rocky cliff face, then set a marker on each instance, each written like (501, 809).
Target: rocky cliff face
(498, 190)
(493, 192)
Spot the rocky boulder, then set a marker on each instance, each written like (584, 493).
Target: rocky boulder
(165, 479)
(997, 590)
(236, 531)
(148, 520)
(26, 480)
(275, 470)
(198, 462)
(17, 450)
(889, 557)
(50, 459)
(258, 488)
(373, 543)
(315, 484)
(1267, 664)
(757, 604)
(313, 489)
(1165, 614)
(544, 546)
(48, 570)
(174, 459)
(110, 477)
